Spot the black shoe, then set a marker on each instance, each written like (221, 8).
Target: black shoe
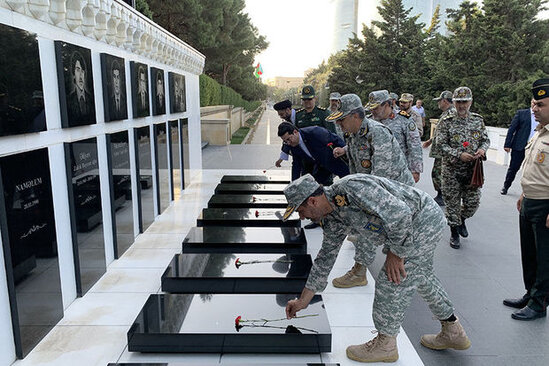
(454, 238)
(504, 191)
(312, 225)
(527, 313)
(517, 303)
(462, 229)
(439, 200)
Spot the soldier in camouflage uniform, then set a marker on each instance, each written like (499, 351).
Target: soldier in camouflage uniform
(445, 104)
(371, 149)
(310, 114)
(462, 138)
(404, 129)
(408, 223)
(405, 103)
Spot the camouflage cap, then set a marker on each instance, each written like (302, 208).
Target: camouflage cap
(297, 192)
(444, 95)
(462, 94)
(349, 102)
(335, 96)
(393, 96)
(376, 98)
(406, 97)
(307, 92)
(540, 89)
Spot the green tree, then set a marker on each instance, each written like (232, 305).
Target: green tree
(143, 7)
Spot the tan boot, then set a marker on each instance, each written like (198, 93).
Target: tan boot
(452, 335)
(354, 277)
(382, 348)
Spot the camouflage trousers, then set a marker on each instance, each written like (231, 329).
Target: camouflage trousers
(461, 200)
(391, 300)
(436, 174)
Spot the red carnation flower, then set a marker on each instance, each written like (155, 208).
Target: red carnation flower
(253, 199)
(330, 145)
(237, 321)
(465, 143)
(264, 171)
(256, 213)
(237, 263)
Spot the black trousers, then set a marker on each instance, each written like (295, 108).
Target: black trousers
(517, 156)
(534, 247)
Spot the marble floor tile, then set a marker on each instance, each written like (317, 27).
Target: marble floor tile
(145, 258)
(159, 241)
(141, 280)
(349, 310)
(194, 359)
(265, 359)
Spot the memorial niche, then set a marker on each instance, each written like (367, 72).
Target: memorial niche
(178, 98)
(121, 191)
(185, 152)
(140, 89)
(75, 82)
(162, 171)
(158, 90)
(113, 74)
(175, 159)
(144, 177)
(21, 95)
(30, 247)
(225, 324)
(86, 214)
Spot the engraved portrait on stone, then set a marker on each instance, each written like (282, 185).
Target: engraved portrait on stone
(140, 89)
(113, 74)
(178, 102)
(158, 91)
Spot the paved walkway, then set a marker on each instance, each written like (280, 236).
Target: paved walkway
(266, 130)
(477, 277)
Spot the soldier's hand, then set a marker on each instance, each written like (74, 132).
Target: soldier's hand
(278, 163)
(427, 143)
(466, 157)
(416, 177)
(480, 153)
(519, 202)
(339, 151)
(293, 307)
(394, 265)
(507, 149)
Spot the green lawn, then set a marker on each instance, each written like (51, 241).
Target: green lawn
(239, 135)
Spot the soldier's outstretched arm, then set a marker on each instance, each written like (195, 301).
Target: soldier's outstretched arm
(293, 306)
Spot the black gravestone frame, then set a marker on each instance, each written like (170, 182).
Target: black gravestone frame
(161, 162)
(113, 75)
(75, 82)
(21, 96)
(261, 217)
(247, 201)
(158, 91)
(265, 178)
(118, 155)
(140, 89)
(143, 163)
(174, 156)
(30, 247)
(84, 191)
(250, 188)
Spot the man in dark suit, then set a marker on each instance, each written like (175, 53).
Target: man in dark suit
(117, 97)
(521, 130)
(80, 102)
(311, 149)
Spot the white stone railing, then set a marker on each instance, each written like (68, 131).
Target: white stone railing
(116, 23)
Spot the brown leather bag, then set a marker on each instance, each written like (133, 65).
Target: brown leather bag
(477, 180)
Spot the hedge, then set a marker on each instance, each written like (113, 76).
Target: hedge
(213, 93)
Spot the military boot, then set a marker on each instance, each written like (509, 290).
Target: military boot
(462, 229)
(382, 348)
(356, 276)
(454, 238)
(452, 335)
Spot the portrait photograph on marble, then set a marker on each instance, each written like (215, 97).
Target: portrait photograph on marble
(239, 239)
(228, 323)
(118, 149)
(86, 212)
(75, 82)
(30, 247)
(158, 91)
(21, 91)
(237, 273)
(142, 138)
(140, 89)
(162, 172)
(178, 97)
(113, 75)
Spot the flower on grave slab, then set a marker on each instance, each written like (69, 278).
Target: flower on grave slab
(264, 323)
(264, 171)
(237, 263)
(237, 321)
(256, 213)
(253, 198)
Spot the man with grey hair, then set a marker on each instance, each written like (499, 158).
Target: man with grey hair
(403, 127)
(371, 149)
(408, 224)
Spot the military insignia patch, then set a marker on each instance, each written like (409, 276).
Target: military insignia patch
(289, 211)
(366, 163)
(412, 126)
(476, 135)
(541, 93)
(363, 131)
(456, 138)
(373, 227)
(340, 200)
(371, 99)
(365, 147)
(404, 113)
(540, 158)
(306, 91)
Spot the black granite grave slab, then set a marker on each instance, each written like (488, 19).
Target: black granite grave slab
(266, 178)
(192, 323)
(237, 273)
(261, 217)
(218, 239)
(249, 188)
(247, 201)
